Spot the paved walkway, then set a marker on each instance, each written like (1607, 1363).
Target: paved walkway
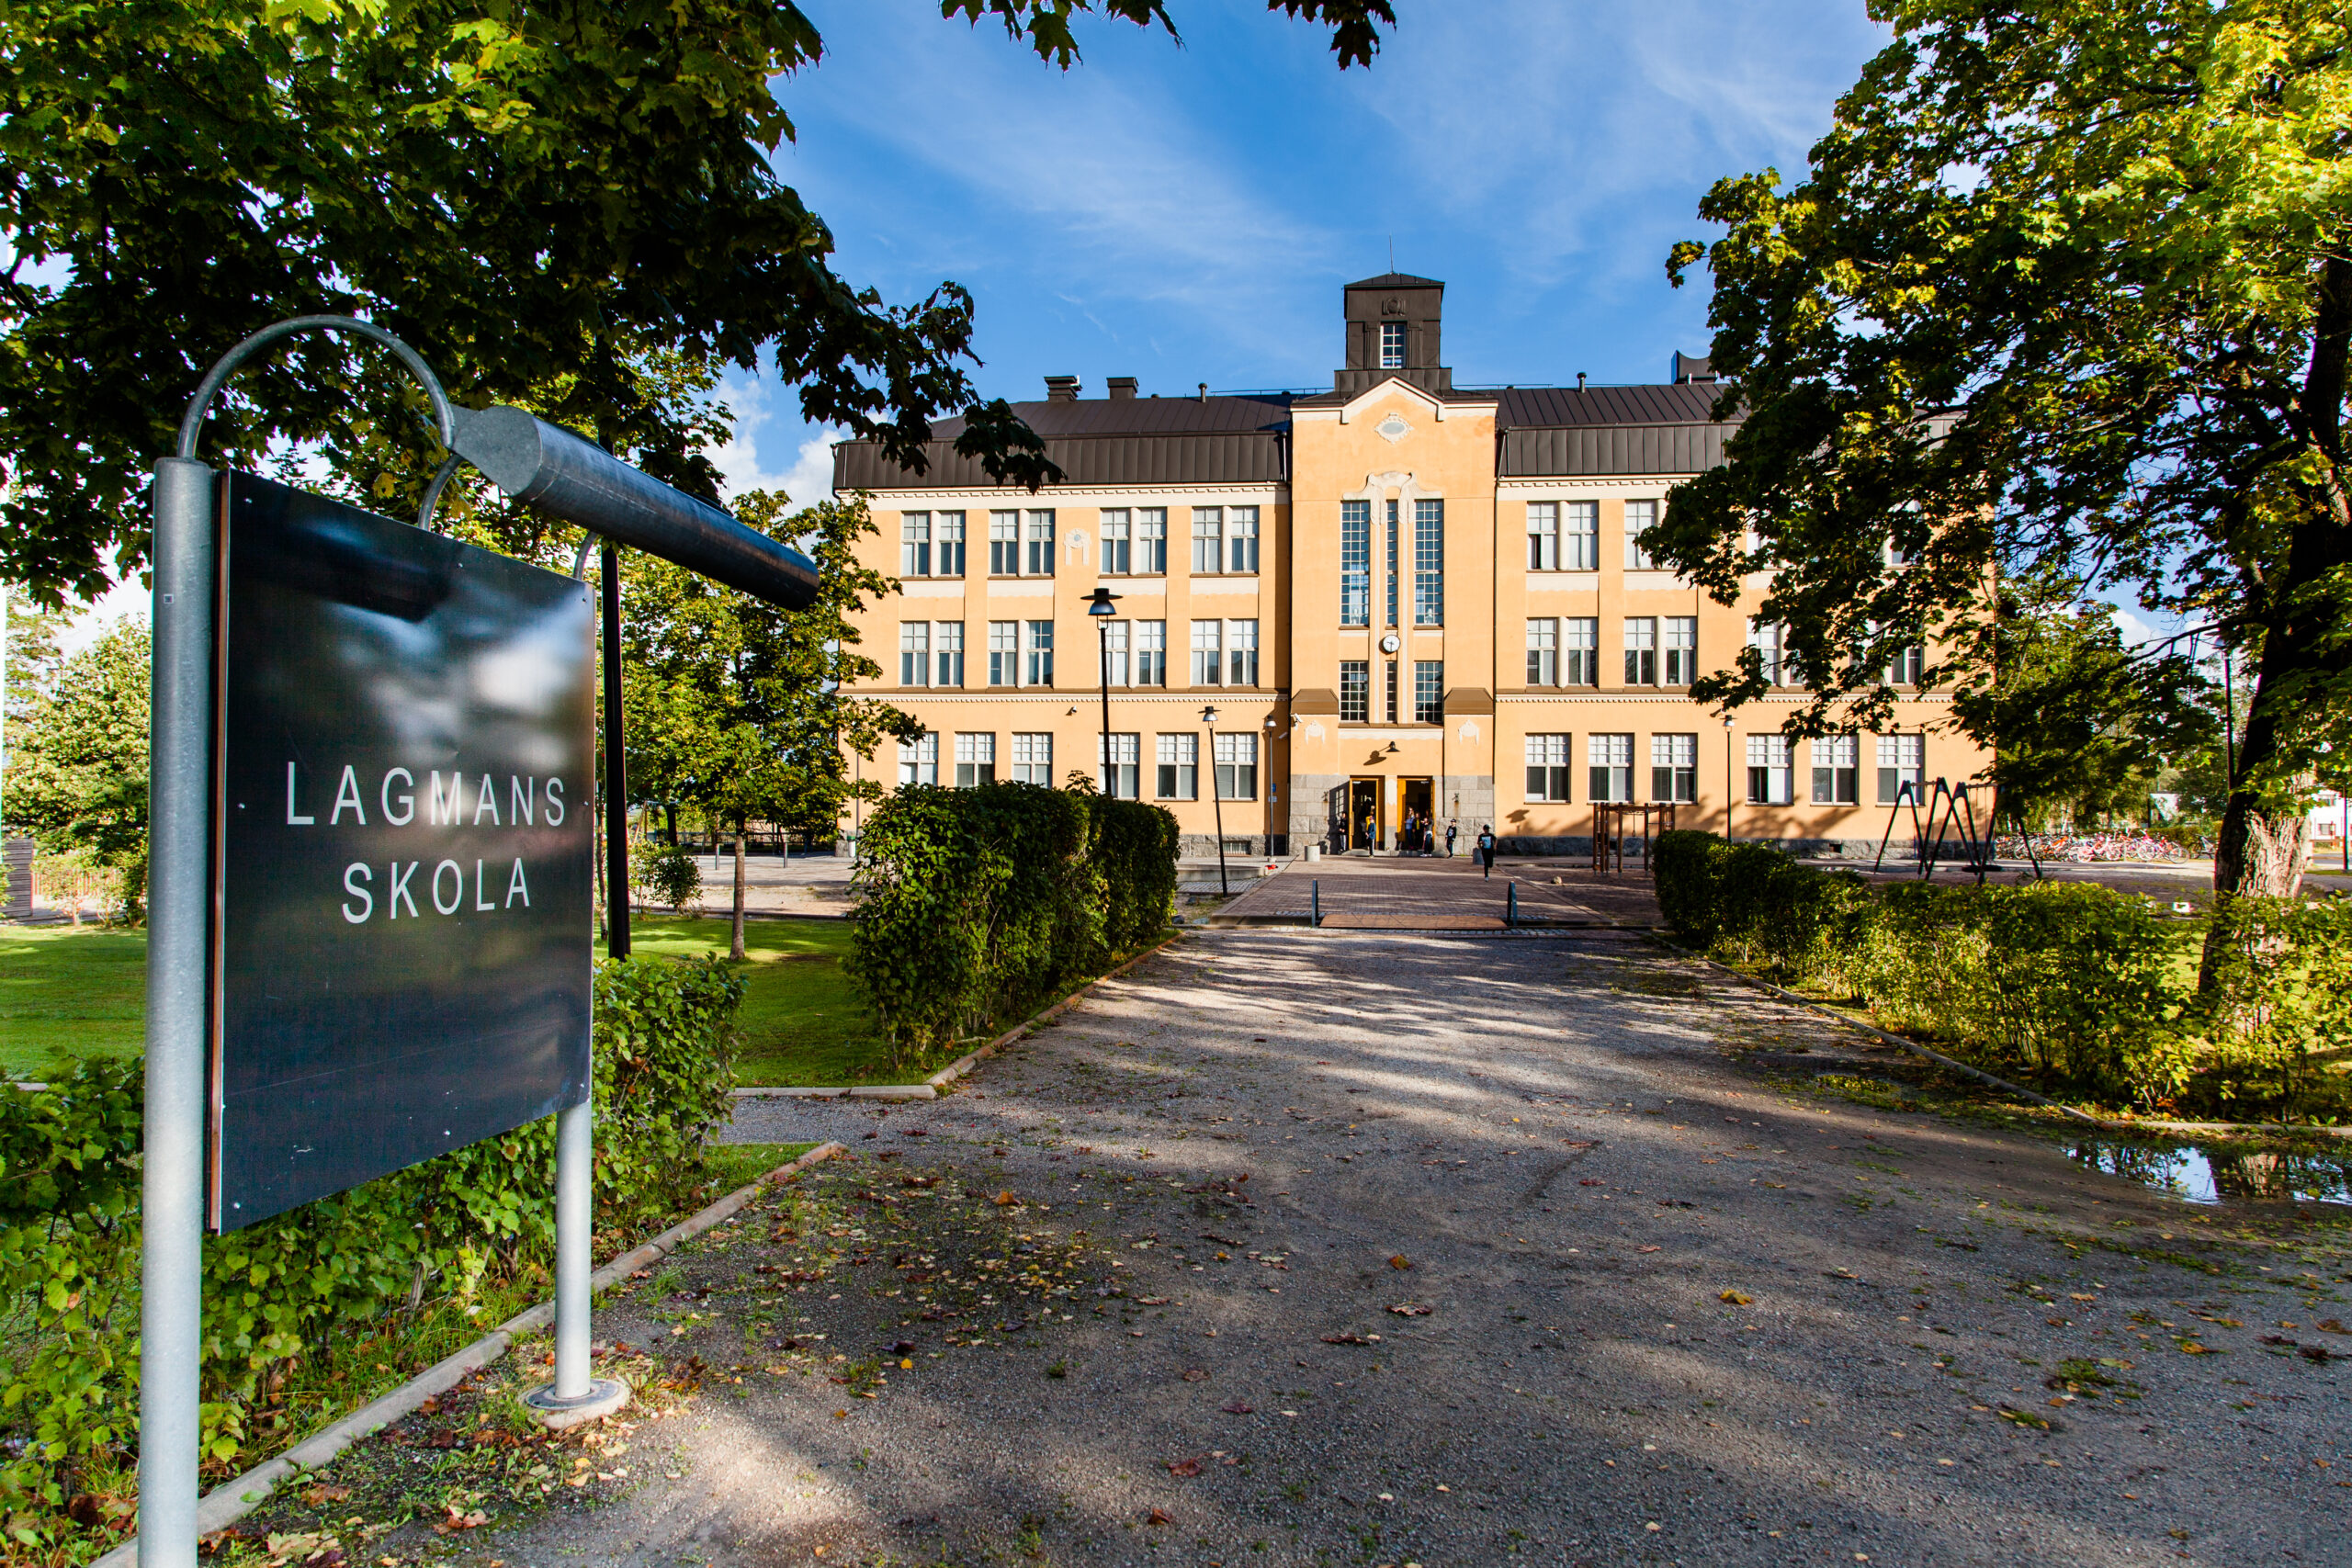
(1459, 1251)
(1410, 893)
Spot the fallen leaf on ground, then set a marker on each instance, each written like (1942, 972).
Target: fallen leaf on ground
(1737, 1298)
(1196, 1375)
(1652, 1249)
(324, 1493)
(1410, 1309)
(1158, 1516)
(1184, 1467)
(1400, 1261)
(1238, 1408)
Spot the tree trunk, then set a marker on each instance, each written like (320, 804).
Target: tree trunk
(735, 944)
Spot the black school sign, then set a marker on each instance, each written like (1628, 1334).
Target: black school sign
(404, 789)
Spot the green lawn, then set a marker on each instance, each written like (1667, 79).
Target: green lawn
(79, 993)
(69, 991)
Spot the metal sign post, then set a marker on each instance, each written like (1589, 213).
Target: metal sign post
(305, 674)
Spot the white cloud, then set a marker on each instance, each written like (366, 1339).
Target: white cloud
(747, 460)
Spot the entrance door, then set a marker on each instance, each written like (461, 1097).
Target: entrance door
(1335, 819)
(1414, 799)
(1368, 815)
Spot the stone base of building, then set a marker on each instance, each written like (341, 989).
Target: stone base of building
(1238, 846)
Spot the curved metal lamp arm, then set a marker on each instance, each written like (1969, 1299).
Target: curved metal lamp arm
(192, 422)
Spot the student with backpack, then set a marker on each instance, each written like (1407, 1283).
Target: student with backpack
(1487, 848)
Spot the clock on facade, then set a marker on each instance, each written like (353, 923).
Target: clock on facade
(1389, 643)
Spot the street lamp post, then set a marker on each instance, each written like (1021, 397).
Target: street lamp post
(1731, 778)
(1100, 607)
(1216, 796)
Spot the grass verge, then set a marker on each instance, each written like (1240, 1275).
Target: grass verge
(70, 992)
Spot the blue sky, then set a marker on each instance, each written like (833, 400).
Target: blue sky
(1187, 213)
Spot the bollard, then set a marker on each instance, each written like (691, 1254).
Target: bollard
(1316, 891)
(1511, 919)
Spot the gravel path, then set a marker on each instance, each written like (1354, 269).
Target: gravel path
(1660, 1311)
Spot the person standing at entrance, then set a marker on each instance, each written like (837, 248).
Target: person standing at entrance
(1450, 828)
(1487, 848)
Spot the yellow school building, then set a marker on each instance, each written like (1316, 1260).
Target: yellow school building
(1334, 617)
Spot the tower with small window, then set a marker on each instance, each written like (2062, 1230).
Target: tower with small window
(1392, 325)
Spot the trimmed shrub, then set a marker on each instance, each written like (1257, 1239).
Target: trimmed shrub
(1685, 871)
(974, 903)
(434, 1234)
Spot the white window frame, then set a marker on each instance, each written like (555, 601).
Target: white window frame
(947, 651)
(1394, 345)
(1548, 775)
(1680, 666)
(1674, 769)
(947, 544)
(914, 653)
(919, 760)
(1208, 653)
(1639, 515)
(914, 544)
(1004, 653)
(1178, 754)
(1580, 535)
(1902, 759)
(975, 758)
(1542, 535)
(1208, 540)
(1152, 541)
(1543, 651)
(1236, 766)
(1033, 757)
(1241, 540)
(1118, 542)
(1151, 653)
(1837, 770)
(1609, 766)
(1037, 653)
(1580, 650)
(1115, 763)
(1641, 650)
(1772, 770)
(1004, 543)
(1241, 653)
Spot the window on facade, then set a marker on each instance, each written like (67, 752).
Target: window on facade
(1033, 759)
(1180, 767)
(1542, 535)
(1547, 767)
(1674, 768)
(914, 544)
(1241, 653)
(947, 649)
(1237, 767)
(1837, 771)
(1004, 543)
(1152, 541)
(975, 759)
(1580, 651)
(1004, 653)
(1392, 345)
(1040, 561)
(1114, 653)
(1768, 770)
(1037, 654)
(1906, 667)
(1428, 691)
(1641, 650)
(1208, 657)
(1609, 760)
(1388, 709)
(1580, 536)
(1765, 638)
(1902, 759)
(1543, 652)
(1151, 653)
(1396, 566)
(1117, 760)
(1681, 635)
(1355, 562)
(914, 653)
(919, 761)
(947, 544)
(1355, 691)
(1429, 563)
(1241, 538)
(1118, 543)
(1639, 514)
(1208, 538)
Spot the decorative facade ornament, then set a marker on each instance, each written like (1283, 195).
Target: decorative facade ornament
(1393, 429)
(1469, 731)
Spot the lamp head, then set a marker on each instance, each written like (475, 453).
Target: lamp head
(1100, 605)
(1208, 716)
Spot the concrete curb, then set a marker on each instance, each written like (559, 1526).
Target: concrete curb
(932, 1087)
(2104, 1124)
(231, 1501)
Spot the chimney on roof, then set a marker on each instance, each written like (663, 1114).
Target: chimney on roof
(1120, 386)
(1061, 388)
(1689, 368)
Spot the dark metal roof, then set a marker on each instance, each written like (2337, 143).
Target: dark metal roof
(1688, 404)
(1397, 281)
(1107, 441)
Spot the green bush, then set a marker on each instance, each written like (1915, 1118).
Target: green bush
(1686, 863)
(974, 903)
(433, 1234)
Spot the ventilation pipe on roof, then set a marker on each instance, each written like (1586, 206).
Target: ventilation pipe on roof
(1580, 381)
(1061, 388)
(1205, 391)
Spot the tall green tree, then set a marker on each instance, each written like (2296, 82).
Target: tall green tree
(2067, 280)
(535, 196)
(739, 709)
(2078, 721)
(77, 767)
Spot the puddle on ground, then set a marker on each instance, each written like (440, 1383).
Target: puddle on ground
(2215, 1176)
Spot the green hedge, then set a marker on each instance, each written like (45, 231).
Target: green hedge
(2072, 985)
(974, 903)
(430, 1236)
